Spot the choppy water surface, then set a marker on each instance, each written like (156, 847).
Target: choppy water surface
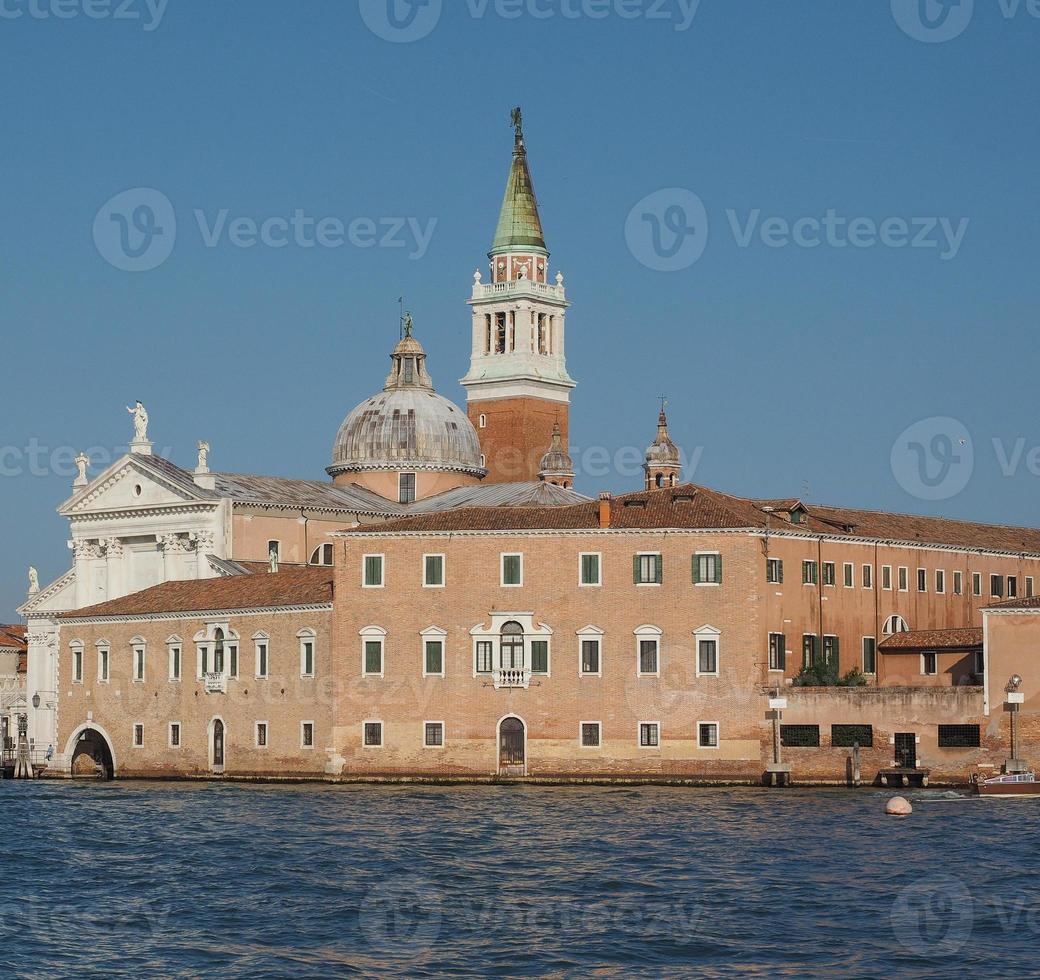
(126, 879)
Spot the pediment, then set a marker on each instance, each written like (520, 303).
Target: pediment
(130, 485)
(59, 596)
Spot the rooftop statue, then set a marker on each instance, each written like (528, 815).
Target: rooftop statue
(140, 415)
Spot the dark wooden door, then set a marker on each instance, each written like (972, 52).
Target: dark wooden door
(218, 743)
(512, 743)
(906, 750)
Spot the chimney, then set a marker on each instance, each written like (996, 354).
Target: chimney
(605, 501)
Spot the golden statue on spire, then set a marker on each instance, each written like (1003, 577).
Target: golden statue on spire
(518, 122)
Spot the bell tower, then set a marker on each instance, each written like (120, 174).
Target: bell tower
(517, 386)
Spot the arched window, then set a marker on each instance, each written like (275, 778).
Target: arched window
(483, 421)
(512, 646)
(895, 624)
(218, 651)
(323, 555)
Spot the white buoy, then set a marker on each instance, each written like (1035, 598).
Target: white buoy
(898, 806)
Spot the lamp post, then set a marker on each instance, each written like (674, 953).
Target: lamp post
(1015, 698)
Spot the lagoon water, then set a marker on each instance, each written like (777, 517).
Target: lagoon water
(185, 880)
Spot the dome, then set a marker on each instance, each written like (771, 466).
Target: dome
(407, 426)
(557, 464)
(662, 452)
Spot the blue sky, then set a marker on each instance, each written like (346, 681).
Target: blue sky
(786, 366)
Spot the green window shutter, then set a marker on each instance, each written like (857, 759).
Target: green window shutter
(635, 569)
(718, 569)
(539, 656)
(696, 571)
(782, 660)
(659, 569)
(781, 576)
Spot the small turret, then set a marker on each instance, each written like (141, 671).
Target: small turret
(663, 466)
(557, 467)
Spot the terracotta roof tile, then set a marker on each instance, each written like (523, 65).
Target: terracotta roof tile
(693, 506)
(957, 639)
(1030, 602)
(13, 637)
(292, 587)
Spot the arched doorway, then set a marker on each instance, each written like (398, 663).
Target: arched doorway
(92, 755)
(218, 744)
(512, 747)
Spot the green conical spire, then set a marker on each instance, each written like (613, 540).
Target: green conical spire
(519, 225)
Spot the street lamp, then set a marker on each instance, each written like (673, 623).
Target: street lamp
(1015, 699)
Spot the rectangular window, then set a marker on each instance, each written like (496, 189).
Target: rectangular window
(138, 665)
(958, 583)
(539, 656)
(800, 736)
(1029, 587)
(940, 582)
(809, 573)
(922, 580)
(485, 656)
(810, 649)
(707, 569)
(591, 734)
(980, 663)
(512, 570)
(960, 737)
(1012, 587)
(373, 572)
(708, 735)
(868, 576)
(831, 655)
(373, 656)
(203, 661)
(307, 735)
(829, 577)
(929, 663)
(996, 586)
(846, 736)
(886, 577)
(648, 569)
(433, 571)
(175, 735)
(904, 579)
(708, 657)
(649, 735)
(103, 665)
(261, 734)
(590, 570)
(233, 660)
(406, 488)
(869, 655)
(433, 734)
(307, 658)
(777, 651)
(373, 734)
(138, 736)
(175, 663)
(849, 575)
(648, 656)
(434, 657)
(590, 656)
(775, 571)
(261, 660)
(976, 583)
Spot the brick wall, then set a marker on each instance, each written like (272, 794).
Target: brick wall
(517, 435)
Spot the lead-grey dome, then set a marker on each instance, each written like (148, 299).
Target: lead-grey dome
(407, 426)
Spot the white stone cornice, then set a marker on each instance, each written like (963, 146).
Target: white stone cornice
(195, 614)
